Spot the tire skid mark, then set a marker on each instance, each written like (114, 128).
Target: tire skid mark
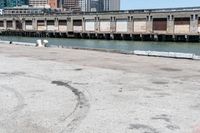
(81, 109)
(20, 98)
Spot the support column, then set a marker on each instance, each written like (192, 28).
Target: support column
(45, 24)
(34, 24)
(14, 24)
(194, 24)
(113, 24)
(56, 23)
(69, 24)
(97, 24)
(5, 24)
(83, 25)
(130, 24)
(170, 24)
(23, 24)
(149, 24)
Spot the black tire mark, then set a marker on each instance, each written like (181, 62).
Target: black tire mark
(81, 109)
(20, 99)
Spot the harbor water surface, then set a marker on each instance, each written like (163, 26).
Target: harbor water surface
(126, 46)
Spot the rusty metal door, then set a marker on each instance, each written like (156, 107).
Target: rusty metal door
(160, 24)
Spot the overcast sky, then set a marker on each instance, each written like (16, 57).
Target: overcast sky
(138, 4)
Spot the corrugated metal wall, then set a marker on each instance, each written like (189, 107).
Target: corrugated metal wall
(41, 25)
(89, 25)
(62, 25)
(140, 25)
(182, 25)
(160, 24)
(122, 26)
(105, 25)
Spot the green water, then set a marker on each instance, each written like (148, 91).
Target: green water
(116, 45)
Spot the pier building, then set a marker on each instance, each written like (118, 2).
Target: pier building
(174, 24)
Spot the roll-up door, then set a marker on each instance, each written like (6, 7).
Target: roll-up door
(77, 25)
(51, 25)
(29, 25)
(41, 25)
(121, 26)
(182, 25)
(89, 25)
(62, 25)
(159, 24)
(105, 25)
(140, 25)
(9, 24)
(1, 24)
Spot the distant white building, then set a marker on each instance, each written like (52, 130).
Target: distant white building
(114, 5)
(1, 11)
(92, 5)
(39, 3)
(99, 5)
(83, 5)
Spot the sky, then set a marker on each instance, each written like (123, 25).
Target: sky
(145, 4)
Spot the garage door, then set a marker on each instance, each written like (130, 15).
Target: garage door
(140, 25)
(89, 25)
(121, 26)
(182, 25)
(105, 25)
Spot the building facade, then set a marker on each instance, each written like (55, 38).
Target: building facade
(71, 5)
(101, 5)
(2, 4)
(113, 5)
(96, 5)
(14, 3)
(53, 3)
(83, 5)
(38, 3)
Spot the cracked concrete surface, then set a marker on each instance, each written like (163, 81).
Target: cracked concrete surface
(52, 90)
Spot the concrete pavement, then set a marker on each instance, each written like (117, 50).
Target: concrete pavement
(54, 90)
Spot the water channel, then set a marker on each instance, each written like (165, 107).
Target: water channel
(128, 46)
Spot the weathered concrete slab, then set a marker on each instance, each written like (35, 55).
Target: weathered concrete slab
(52, 90)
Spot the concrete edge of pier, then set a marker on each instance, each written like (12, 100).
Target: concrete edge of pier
(176, 55)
